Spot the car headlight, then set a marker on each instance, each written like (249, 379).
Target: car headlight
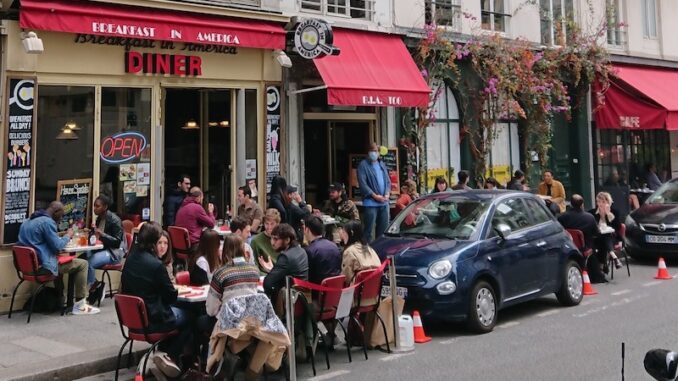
(629, 221)
(440, 269)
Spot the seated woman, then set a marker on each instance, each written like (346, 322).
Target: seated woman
(408, 192)
(145, 276)
(242, 315)
(609, 225)
(164, 252)
(358, 255)
(206, 259)
(441, 185)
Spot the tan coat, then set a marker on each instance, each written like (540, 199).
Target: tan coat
(357, 258)
(557, 193)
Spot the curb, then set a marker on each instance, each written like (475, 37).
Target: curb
(72, 367)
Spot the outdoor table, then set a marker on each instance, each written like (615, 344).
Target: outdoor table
(642, 194)
(222, 232)
(75, 249)
(193, 294)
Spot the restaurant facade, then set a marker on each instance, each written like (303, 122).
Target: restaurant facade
(122, 100)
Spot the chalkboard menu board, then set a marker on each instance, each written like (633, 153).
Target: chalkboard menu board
(17, 192)
(392, 165)
(75, 195)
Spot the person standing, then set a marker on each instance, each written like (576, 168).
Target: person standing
(553, 193)
(40, 233)
(375, 187)
(248, 208)
(108, 230)
(193, 217)
(292, 261)
(324, 257)
(174, 199)
(462, 182)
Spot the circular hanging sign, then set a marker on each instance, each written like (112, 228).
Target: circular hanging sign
(313, 38)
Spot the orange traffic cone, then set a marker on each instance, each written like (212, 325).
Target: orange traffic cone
(419, 335)
(662, 272)
(588, 289)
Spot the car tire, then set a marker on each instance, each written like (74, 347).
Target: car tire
(571, 289)
(482, 313)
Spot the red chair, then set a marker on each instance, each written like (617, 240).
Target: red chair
(183, 278)
(620, 251)
(128, 226)
(367, 297)
(580, 243)
(181, 244)
(132, 315)
(325, 311)
(26, 265)
(114, 267)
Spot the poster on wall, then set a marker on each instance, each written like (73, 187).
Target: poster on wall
(392, 166)
(76, 197)
(273, 134)
(250, 169)
(20, 118)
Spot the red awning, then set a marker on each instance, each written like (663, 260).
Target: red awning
(373, 69)
(149, 24)
(640, 98)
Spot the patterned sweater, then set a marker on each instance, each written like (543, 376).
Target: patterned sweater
(232, 280)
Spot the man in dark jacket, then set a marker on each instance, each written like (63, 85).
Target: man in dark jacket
(462, 183)
(375, 187)
(174, 199)
(193, 216)
(517, 181)
(324, 257)
(297, 210)
(578, 219)
(291, 261)
(108, 230)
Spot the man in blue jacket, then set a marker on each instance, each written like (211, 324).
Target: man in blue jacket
(40, 233)
(375, 187)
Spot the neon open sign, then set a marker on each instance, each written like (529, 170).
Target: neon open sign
(122, 147)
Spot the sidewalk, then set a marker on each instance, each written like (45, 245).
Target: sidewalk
(54, 347)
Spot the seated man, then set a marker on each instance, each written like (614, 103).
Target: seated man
(324, 257)
(241, 227)
(553, 193)
(292, 260)
(248, 208)
(193, 217)
(108, 229)
(40, 233)
(578, 219)
(340, 208)
(261, 243)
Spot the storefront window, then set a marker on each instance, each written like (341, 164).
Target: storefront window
(65, 138)
(125, 152)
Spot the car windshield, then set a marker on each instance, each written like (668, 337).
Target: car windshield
(451, 217)
(666, 194)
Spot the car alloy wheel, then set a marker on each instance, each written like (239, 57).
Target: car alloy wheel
(574, 283)
(485, 307)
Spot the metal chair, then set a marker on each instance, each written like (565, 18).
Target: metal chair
(114, 267)
(181, 244)
(620, 250)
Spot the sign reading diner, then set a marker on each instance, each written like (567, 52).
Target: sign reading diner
(140, 31)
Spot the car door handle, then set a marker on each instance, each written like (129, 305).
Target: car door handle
(541, 243)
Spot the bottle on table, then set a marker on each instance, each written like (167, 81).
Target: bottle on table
(92, 237)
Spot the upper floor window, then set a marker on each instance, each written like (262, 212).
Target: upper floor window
(555, 15)
(494, 15)
(356, 9)
(615, 34)
(649, 18)
(444, 13)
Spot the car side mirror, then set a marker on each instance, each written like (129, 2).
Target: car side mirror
(503, 231)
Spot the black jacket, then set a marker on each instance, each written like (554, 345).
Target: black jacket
(515, 184)
(113, 234)
(293, 262)
(295, 216)
(145, 276)
(172, 203)
(580, 220)
(324, 260)
(276, 202)
(614, 224)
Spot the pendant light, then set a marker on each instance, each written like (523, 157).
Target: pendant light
(67, 133)
(190, 125)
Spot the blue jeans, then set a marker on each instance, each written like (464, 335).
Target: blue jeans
(375, 215)
(96, 260)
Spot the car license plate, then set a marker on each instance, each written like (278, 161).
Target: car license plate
(661, 239)
(401, 291)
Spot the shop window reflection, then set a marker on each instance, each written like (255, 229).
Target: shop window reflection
(125, 152)
(57, 158)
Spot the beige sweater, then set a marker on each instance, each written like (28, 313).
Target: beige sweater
(357, 258)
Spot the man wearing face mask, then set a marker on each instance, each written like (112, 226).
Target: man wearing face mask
(375, 187)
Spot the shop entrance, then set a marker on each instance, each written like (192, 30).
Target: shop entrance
(197, 141)
(327, 147)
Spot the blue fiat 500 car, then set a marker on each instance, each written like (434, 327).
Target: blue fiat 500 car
(467, 254)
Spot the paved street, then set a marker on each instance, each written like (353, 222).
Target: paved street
(539, 340)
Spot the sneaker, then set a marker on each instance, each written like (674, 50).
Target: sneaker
(82, 308)
(165, 364)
